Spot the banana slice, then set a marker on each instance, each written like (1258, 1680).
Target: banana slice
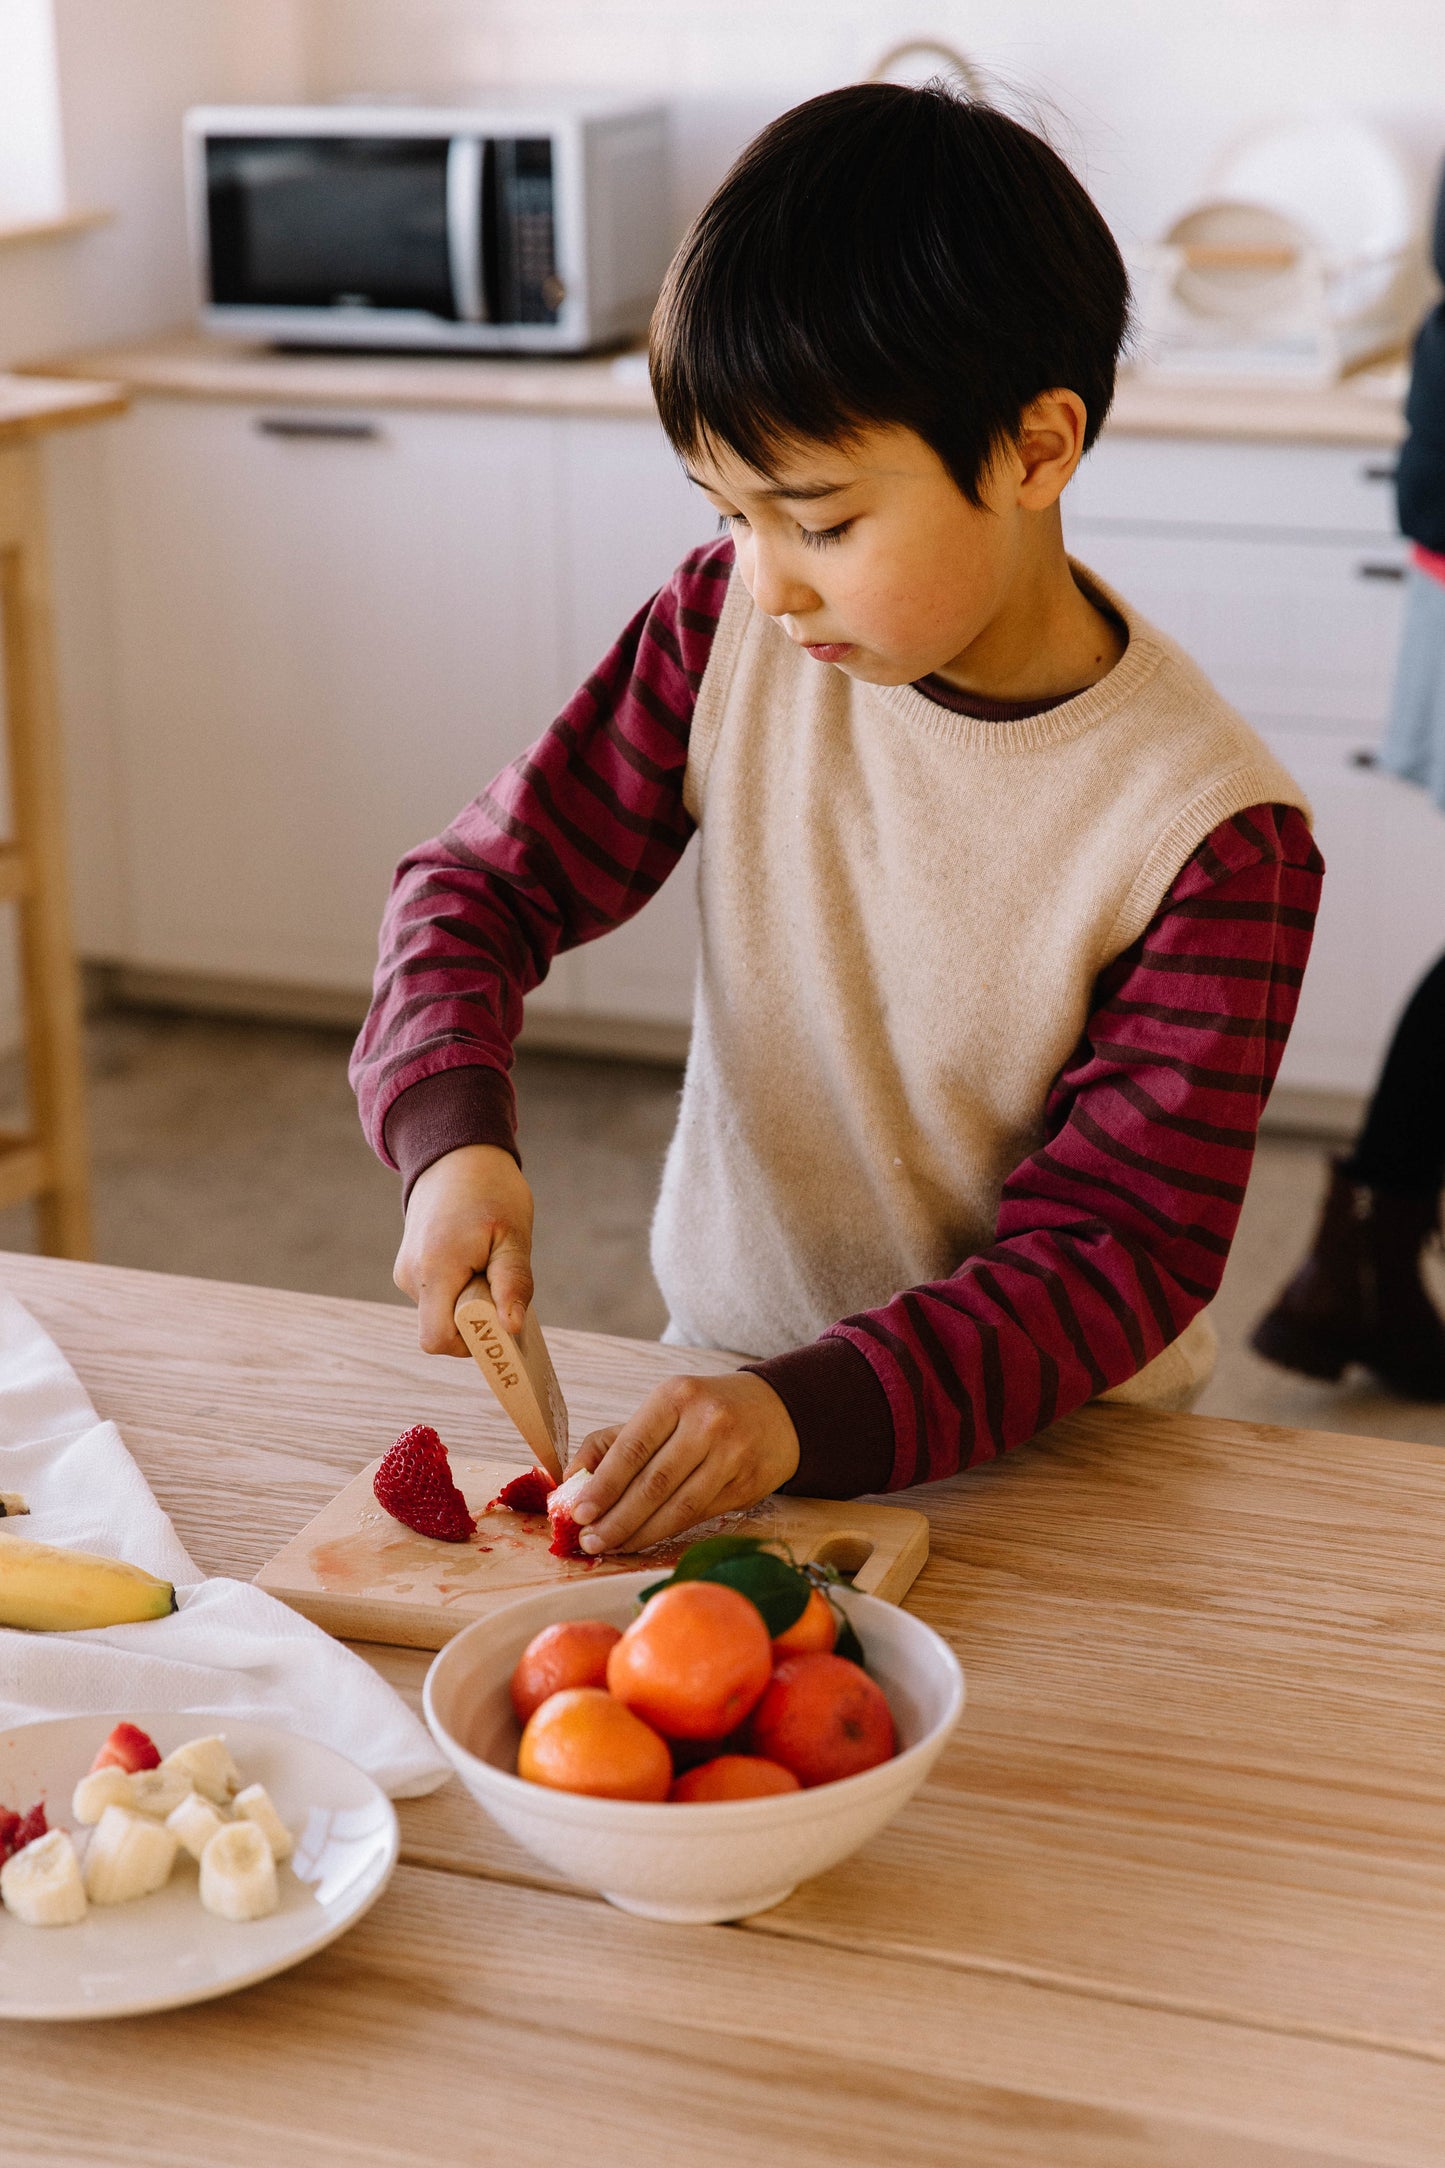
(238, 1874)
(157, 1792)
(194, 1822)
(109, 1787)
(42, 1884)
(208, 1768)
(129, 1855)
(254, 1804)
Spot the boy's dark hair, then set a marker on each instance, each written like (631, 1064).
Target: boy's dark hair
(888, 255)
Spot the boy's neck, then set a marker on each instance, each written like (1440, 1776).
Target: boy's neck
(1047, 639)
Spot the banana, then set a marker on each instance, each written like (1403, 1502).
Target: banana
(42, 1884)
(254, 1805)
(238, 1874)
(108, 1787)
(207, 1765)
(195, 1821)
(157, 1792)
(128, 1856)
(51, 1590)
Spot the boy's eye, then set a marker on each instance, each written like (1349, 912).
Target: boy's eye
(728, 520)
(819, 538)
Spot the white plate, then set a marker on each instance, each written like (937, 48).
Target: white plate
(159, 1952)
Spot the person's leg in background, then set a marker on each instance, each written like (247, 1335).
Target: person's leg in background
(1359, 1295)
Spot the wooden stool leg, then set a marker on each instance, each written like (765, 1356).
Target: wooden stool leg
(54, 1050)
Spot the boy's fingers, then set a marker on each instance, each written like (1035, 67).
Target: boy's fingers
(590, 1452)
(436, 1299)
(695, 1500)
(509, 1275)
(633, 1445)
(665, 1473)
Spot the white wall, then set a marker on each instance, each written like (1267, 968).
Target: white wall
(1139, 94)
(128, 69)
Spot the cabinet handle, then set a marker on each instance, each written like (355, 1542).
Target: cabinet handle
(333, 429)
(1372, 570)
(1379, 474)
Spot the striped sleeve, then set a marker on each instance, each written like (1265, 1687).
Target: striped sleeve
(568, 841)
(1115, 1231)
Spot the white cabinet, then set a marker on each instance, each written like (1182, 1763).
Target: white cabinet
(1278, 568)
(326, 644)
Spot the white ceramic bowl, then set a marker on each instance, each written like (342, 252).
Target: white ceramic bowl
(673, 1862)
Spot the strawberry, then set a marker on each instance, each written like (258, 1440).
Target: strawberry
(415, 1485)
(18, 1830)
(525, 1493)
(129, 1748)
(566, 1537)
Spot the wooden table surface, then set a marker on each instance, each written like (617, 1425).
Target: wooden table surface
(1173, 1898)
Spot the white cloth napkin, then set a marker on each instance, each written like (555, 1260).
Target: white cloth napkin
(229, 1650)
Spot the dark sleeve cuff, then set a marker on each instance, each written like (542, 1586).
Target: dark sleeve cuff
(444, 1112)
(840, 1412)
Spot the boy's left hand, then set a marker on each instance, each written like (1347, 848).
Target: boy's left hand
(696, 1447)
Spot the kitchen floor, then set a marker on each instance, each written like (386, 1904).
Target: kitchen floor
(231, 1150)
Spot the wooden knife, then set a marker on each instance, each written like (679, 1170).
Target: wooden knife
(519, 1371)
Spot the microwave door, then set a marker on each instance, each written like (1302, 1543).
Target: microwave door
(464, 228)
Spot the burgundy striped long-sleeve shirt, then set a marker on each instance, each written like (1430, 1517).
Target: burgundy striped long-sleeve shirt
(1110, 1236)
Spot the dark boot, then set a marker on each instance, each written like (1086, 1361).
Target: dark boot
(1359, 1297)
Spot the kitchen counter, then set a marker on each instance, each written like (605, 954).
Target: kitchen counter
(1175, 1891)
(1364, 409)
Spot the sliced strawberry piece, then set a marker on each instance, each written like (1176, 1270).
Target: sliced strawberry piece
(525, 1493)
(566, 1536)
(415, 1485)
(128, 1747)
(32, 1825)
(10, 1823)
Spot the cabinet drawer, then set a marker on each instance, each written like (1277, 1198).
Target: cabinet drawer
(1293, 632)
(1299, 489)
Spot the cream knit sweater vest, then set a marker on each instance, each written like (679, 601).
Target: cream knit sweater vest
(904, 912)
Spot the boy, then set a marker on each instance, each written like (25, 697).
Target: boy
(1004, 912)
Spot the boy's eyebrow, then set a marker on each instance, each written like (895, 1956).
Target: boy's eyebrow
(800, 492)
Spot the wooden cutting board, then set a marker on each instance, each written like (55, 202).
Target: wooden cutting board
(364, 1577)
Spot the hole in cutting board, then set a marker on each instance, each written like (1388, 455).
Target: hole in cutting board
(846, 1554)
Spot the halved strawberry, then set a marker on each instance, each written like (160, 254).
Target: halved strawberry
(566, 1536)
(9, 1824)
(18, 1830)
(415, 1485)
(130, 1748)
(525, 1493)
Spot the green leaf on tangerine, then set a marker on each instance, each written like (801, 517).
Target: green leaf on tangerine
(778, 1589)
(655, 1588)
(698, 1560)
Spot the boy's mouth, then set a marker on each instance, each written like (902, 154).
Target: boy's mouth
(828, 650)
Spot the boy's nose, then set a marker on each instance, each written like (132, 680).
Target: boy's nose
(777, 591)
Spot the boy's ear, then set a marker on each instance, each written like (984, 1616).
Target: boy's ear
(1049, 446)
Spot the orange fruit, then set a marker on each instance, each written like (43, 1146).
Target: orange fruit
(814, 1628)
(694, 1662)
(734, 1776)
(822, 1718)
(572, 1653)
(581, 1740)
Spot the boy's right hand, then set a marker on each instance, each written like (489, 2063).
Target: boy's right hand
(470, 1211)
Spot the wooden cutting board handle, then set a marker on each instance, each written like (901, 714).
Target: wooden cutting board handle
(519, 1371)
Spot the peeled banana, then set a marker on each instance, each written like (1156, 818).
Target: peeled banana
(254, 1804)
(52, 1590)
(195, 1821)
(238, 1874)
(128, 1856)
(42, 1884)
(207, 1764)
(102, 1788)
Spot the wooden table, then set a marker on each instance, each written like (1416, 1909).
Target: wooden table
(1174, 1898)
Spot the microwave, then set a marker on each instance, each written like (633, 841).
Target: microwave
(532, 227)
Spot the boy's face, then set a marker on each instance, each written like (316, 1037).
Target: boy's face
(869, 555)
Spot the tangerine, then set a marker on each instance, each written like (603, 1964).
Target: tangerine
(815, 1627)
(572, 1653)
(734, 1776)
(823, 1718)
(695, 1661)
(581, 1740)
